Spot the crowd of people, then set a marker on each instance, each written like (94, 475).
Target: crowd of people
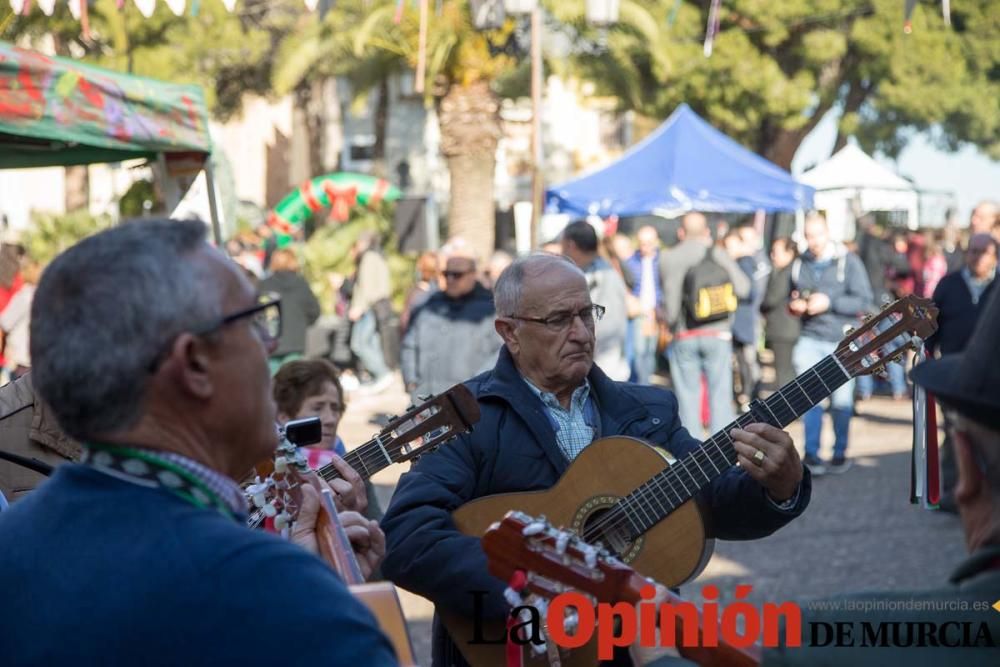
(160, 429)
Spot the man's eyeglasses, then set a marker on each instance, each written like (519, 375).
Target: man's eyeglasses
(562, 321)
(266, 319)
(455, 275)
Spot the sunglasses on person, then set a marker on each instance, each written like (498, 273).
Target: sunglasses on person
(455, 275)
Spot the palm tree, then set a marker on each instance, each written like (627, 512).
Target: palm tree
(465, 70)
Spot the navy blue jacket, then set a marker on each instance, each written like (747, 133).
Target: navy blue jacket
(99, 571)
(513, 448)
(845, 281)
(958, 315)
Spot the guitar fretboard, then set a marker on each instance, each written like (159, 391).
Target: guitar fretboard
(669, 489)
(366, 459)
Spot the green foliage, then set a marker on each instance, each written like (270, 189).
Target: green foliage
(778, 67)
(328, 251)
(52, 233)
(133, 203)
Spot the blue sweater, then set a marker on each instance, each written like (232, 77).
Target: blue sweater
(95, 570)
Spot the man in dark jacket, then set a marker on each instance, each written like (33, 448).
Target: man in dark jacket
(541, 405)
(450, 337)
(299, 307)
(959, 297)
(830, 292)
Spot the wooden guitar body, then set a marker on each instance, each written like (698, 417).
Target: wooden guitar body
(381, 599)
(673, 552)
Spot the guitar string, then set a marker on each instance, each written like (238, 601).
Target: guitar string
(649, 491)
(654, 489)
(625, 510)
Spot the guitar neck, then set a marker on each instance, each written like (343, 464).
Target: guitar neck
(335, 546)
(653, 501)
(367, 460)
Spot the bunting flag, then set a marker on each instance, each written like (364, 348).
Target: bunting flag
(18, 6)
(230, 5)
(672, 18)
(146, 7)
(398, 16)
(176, 6)
(311, 5)
(712, 28)
(946, 12)
(908, 16)
(74, 9)
(47, 6)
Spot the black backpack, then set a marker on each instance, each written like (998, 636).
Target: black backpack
(708, 294)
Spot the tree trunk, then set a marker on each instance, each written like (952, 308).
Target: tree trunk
(469, 116)
(381, 129)
(309, 99)
(857, 93)
(77, 188)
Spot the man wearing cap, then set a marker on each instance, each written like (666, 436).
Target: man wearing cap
(958, 615)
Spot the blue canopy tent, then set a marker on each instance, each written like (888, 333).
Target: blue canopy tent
(685, 165)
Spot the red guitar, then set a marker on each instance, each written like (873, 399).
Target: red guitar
(549, 562)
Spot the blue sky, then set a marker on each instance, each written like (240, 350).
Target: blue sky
(970, 174)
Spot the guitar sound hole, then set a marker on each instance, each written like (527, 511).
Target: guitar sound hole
(597, 527)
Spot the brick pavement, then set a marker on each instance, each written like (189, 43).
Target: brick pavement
(860, 532)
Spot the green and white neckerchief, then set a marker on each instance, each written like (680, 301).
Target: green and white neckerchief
(161, 470)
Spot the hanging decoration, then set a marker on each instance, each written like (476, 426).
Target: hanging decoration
(912, 4)
(19, 6)
(672, 18)
(176, 6)
(74, 9)
(146, 7)
(712, 28)
(311, 5)
(230, 5)
(195, 8)
(397, 17)
(47, 6)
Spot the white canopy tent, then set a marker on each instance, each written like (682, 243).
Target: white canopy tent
(851, 183)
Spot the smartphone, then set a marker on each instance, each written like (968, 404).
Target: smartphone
(302, 432)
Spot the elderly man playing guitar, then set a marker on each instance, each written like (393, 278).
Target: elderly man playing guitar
(543, 405)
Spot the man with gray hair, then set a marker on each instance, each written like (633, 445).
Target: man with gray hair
(150, 347)
(542, 404)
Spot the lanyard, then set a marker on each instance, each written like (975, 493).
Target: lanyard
(147, 469)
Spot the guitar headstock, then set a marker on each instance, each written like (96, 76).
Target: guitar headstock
(277, 491)
(424, 427)
(885, 337)
(556, 560)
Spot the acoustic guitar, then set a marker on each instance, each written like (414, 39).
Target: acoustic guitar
(554, 561)
(624, 494)
(420, 430)
(291, 472)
